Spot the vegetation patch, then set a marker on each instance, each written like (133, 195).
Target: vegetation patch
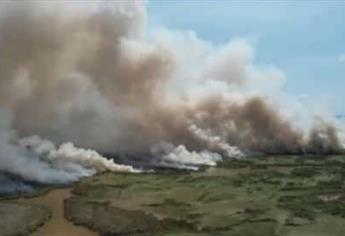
(20, 218)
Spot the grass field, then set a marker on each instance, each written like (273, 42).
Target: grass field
(270, 196)
(284, 195)
(20, 218)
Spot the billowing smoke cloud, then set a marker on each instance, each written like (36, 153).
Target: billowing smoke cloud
(35, 160)
(179, 157)
(90, 74)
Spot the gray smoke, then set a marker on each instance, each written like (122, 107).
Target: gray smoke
(13, 185)
(33, 159)
(89, 73)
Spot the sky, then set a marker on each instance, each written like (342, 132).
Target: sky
(305, 39)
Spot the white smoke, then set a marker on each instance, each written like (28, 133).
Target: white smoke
(19, 161)
(179, 157)
(37, 160)
(67, 155)
(215, 143)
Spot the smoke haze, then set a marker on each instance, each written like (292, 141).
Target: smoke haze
(91, 75)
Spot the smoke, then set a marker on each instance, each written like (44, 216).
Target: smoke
(34, 160)
(179, 157)
(69, 157)
(13, 185)
(91, 74)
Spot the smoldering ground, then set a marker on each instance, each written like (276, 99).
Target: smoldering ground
(93, 75)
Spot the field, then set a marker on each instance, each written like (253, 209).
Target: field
(283, 196)
(21, 219)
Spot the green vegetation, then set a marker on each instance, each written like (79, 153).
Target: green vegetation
(258, 196)
(20, 218)
(271, 196)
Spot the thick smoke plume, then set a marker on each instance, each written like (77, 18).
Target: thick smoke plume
(35, 160)
(91, 74)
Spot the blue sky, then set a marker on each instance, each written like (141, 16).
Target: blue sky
(305, 39)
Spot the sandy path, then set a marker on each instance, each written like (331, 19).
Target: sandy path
(58, 225)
